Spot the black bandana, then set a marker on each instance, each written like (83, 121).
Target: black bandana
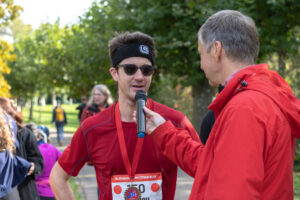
(133, 50)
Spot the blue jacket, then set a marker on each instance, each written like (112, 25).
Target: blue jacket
(13, 169)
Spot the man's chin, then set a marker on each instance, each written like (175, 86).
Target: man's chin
(213, 84)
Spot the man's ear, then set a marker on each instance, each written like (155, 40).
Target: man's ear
(114, 73)
(217, 50)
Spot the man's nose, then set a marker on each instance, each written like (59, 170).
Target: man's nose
(138, 74)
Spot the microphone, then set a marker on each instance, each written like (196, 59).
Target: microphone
(141, 99)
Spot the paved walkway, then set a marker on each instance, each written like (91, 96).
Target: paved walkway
(87, 179)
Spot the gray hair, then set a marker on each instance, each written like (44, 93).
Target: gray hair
(237, 33)
(105, 91)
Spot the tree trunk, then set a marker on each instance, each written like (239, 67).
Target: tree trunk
(31, 109)
(202, 96)
(281, 63)
(54, 103)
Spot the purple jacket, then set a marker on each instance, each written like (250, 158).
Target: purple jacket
(50, 155)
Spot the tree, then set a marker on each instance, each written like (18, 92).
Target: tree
(39, 66)
(5, 56)
(8, 12)
(19, 29)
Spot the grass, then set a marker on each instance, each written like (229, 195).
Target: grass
(75, 188)
(43, 115)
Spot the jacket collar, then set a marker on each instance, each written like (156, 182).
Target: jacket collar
(234, 86)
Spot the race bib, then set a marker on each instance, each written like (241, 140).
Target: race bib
(143, 187)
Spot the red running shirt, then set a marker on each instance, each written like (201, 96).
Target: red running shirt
(96, 140)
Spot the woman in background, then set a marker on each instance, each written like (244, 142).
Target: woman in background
(50, 154)
(99, 100)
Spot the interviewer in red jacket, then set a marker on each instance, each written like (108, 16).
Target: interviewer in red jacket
(250, 151)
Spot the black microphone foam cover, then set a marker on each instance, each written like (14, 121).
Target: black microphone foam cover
(141, 94)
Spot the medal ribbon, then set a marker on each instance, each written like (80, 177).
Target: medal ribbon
(131, 169)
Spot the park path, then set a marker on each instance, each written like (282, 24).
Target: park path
(87, 179)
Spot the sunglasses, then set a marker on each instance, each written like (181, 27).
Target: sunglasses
(131, 69)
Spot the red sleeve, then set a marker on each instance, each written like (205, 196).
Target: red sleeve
(188, 126)
(237, 171)
(179, 146)
(236, 151)
(75, 155)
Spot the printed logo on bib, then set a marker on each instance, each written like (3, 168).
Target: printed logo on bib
(143, 187)
(132, 193)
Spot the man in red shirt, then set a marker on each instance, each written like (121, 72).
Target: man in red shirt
(127, 167)
(249, 153)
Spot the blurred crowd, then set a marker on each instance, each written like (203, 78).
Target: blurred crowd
(26, 156)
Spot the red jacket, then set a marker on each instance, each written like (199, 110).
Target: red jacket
(89, 111)
(250, 151)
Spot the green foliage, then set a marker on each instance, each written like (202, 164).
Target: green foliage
(39, 65)
(19, 29)
(296, 186)
(174, 25)
(86, 58)
(8, 12)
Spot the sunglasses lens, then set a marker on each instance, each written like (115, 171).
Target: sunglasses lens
(147, 70)
(130, 69)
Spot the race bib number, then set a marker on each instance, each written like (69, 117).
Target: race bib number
(143, 187)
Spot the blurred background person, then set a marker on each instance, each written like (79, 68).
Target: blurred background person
(59, 118)
(50, 154)
(81, 106)
(45, 129)
(27, 149)
(13, 169)
(99, 100)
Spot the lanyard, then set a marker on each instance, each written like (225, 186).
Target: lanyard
(131, 169)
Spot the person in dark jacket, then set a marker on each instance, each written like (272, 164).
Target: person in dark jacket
(13, 169)
(30, 151)
(208, 122)
(81, 106)
(99, 100)
(27, 149)
(59, 118)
